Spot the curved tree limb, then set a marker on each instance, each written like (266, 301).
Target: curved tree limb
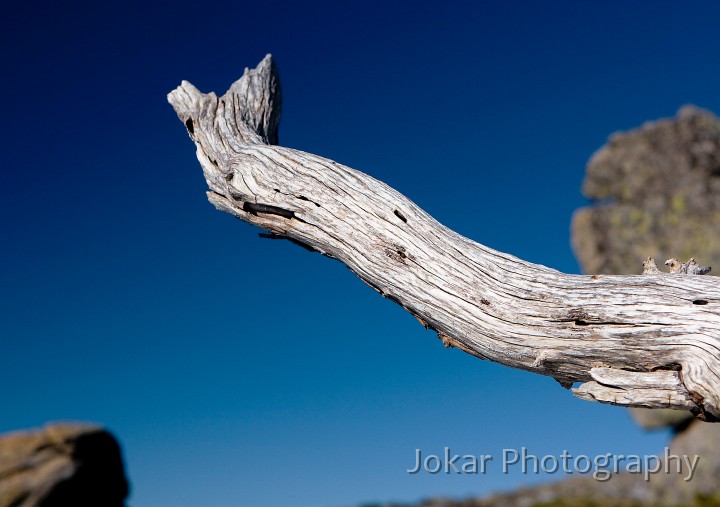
(647, 341)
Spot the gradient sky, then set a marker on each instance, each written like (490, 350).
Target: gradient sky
(128, 300)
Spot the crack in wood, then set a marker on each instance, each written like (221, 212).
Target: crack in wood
(303, 198)
(255, 208)
(237, 196)
(581, 322)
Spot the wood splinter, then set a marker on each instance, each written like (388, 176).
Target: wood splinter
(690, 267)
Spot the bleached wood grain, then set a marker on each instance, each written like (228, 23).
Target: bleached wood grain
(645, 340)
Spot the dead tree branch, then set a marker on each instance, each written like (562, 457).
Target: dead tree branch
(644, 341)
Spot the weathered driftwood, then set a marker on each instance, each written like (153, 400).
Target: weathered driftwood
(645, 341)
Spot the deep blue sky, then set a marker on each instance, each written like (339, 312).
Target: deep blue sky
(126, 299)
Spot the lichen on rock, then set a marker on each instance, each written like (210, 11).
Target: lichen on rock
(655, 190)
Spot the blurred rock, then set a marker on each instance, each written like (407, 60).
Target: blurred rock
(699, 439)
(655, 192)
(653, 419)
(61, 465)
